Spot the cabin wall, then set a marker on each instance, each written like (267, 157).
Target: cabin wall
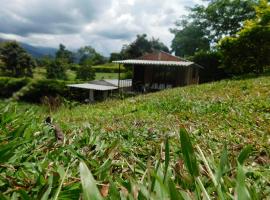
(161, 77)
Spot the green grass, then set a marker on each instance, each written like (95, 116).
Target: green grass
(100, 76)
(40, 73)
(132, 148)
(109, 66)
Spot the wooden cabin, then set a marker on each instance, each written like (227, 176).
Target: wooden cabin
(160, 70)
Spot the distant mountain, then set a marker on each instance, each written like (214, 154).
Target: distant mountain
(36, 51)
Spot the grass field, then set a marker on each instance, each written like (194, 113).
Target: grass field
(133, 150)
(40, 73)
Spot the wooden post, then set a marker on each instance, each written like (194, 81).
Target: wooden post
(119, 76)
(91, 96)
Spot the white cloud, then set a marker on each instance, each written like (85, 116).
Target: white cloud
(106, 25)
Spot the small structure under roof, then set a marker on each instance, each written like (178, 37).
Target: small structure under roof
(160, 70)
(105, 86)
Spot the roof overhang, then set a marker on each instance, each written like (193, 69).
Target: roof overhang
(155, 62)
(93, 86)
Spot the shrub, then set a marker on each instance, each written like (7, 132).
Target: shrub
(210, 61)
(34, 91)
(56, 70)
(85, 72)
(10, 85)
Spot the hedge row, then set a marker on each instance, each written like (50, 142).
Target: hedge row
(30, 90)
(10, 85)
(112, 69)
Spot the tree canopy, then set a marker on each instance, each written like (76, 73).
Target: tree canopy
(206, 25)
(56, 69)
(15, 60)
(85, 71)
(249, 50)
(140, 46)
(88, 54)
(64, 55)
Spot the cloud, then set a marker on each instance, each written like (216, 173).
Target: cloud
(105, 24)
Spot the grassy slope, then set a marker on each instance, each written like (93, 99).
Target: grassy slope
(236, 113)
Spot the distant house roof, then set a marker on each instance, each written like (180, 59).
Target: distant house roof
(103, 85)
(158, 58)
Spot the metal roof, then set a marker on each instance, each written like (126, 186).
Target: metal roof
(103, 85)
(90, 86)
(155, 62)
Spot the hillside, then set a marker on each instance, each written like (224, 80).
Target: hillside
(124, 144)
(36, 51)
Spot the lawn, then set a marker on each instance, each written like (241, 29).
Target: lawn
(133, 150)
(40, 73)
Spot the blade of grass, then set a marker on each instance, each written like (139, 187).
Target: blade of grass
(241, 190)
(167, 158)
(90, 190)
(188, 153)
(244, 154)
(198, 180)
(61, 184)
(48, 191)
(213, 178)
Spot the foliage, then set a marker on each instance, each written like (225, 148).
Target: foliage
(206, 25)
(115, 56)
(10, 85)
(141, 46)
(88, 54)
(132, 149)
(189, 40)
(211, 63)
(56, 69)
(35, 90)
(64, 55)
(85, 72)
(249, 51)
(109, 68)
(15, 60)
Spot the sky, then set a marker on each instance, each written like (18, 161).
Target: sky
(105, 25)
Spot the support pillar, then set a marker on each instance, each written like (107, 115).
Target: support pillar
(91, 96)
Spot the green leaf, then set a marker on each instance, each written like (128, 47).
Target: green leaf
(61, 184)
(188, 153)
(167, 157)
(244, 154)
(223, 164)
(241, 190)
(90, 190)
(174, 194)
(48, 191)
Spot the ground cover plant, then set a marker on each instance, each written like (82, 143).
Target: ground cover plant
(209, 141)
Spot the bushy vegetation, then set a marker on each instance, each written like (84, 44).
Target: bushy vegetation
(249, 50)
(138, 148)
(11, 85)
(211, 63)
(15, 61)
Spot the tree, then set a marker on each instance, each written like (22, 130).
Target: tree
(90, 55)
(249, 50)
(17, 62)
(208, 24)
(141, 46)
(189, 40)
(63, 54)
(85, 72)
(56, 69)
(211, 63)
(115, 56)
